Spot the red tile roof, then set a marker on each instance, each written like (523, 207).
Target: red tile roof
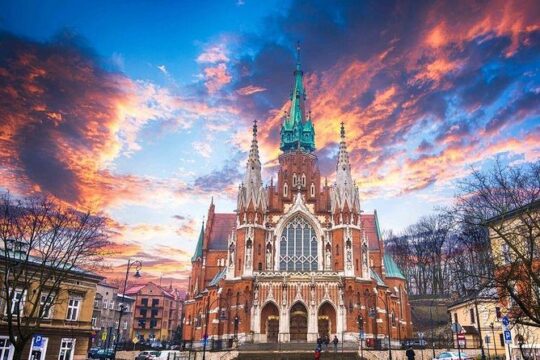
(370, 228)
(222, 227)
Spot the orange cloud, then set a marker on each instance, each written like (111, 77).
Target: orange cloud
(216, 77)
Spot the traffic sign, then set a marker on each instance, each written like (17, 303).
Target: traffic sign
(362, 335)
(461, 339)
(507, 337)
(505, 321)
(38, 341)
(104, 336)
(456, 328)
(135, 340)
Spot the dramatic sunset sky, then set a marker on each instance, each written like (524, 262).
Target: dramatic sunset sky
(142, 109)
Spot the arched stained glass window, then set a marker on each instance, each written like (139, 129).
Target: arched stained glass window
(298, 247)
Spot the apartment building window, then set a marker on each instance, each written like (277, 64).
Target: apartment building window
(501, 339)
(46, 305)
(471, 314)
(154, 313)
(455, 319)
(94, 321)
(498, 313)
(111, 305)
(142, 312)
(73, 309)
(6, 349)
(17, 304)
(125, 325)
(105, 304)
(144, 301)
(155, 302)
(66, 349)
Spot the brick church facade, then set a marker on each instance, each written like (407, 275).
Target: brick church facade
(298, 259)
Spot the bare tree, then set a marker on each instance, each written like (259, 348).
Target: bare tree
(43, 244)
(506, 200)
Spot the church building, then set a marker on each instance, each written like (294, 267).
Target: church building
(298, 259)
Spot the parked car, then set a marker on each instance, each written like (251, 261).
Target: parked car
(147, 355)
(92, 352)
(450, 355)
(104, 354)
(170, 355)
(415, 344)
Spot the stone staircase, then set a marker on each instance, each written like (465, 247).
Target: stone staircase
(296, 355)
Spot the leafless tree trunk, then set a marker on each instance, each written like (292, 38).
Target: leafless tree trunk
(43, 244)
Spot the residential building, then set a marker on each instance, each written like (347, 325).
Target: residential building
(155, 312)
(515, 246)
(299, 258)
(479, 316)
(106, 320)
(64, 331)
(126, 326)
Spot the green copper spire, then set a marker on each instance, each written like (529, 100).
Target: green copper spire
(198, 250)
(297, 131)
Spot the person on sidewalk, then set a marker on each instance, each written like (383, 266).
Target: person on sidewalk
(335, 342)
(410, 353)
(326, 342)
(317, 353)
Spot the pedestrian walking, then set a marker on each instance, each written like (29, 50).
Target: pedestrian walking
(410, 353)
(317, 353)
(335, 342)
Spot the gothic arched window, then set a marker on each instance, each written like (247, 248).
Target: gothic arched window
(298, 246)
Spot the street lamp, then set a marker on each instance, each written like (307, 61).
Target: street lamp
(360, 321)
(493, 336)
(138, 266)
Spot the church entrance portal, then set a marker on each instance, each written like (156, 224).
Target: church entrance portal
(298, 323)
(326, 320)
(270, 322)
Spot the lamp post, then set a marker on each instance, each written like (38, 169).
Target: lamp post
(361, 333)
(138, 266)
(494, 341)
(373, 313)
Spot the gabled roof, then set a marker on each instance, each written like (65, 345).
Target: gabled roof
(198, 250)
(134, 289)
(377, 278)
(222, 226)
(391, 268)
(369, 223)
(219, 276)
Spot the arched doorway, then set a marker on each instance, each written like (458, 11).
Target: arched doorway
(298, 322)
(270, 322)
(326, 320)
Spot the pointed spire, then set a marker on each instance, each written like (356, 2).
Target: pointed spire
(252, 189)
(199, 249)
(298, 56)
(297, 130)
(343, 155)
(253, 158)
(345, 192)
